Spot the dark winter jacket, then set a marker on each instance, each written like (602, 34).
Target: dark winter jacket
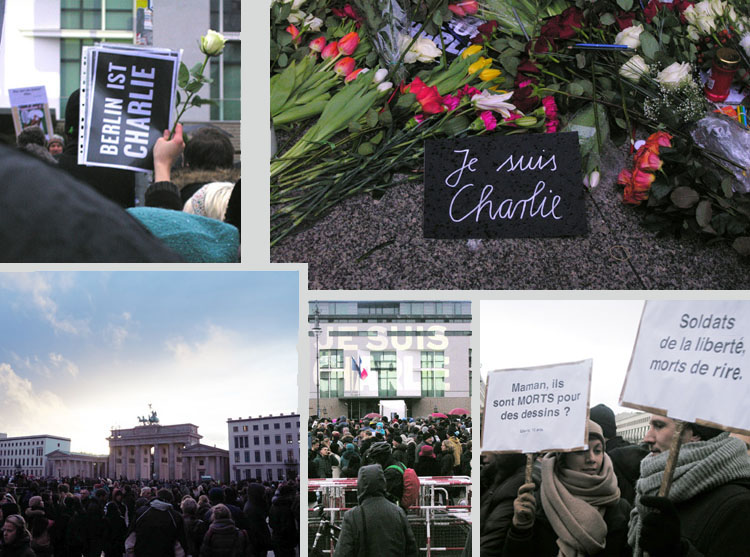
(224, 539)
(626, 462)
(323, 466)
(19, 548)
(195, 530)
(446, 463)
(497, 513)
(717, 522)
(376, 526)
(259, 535)
(427, 466)
(541, 539)
(282, 520)
(157, 527)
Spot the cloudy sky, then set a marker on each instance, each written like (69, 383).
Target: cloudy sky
(527, 333)
(83, 352)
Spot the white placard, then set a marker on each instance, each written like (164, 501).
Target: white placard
(690, 362)
(537, 409)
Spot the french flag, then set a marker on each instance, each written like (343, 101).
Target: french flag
(359, 366)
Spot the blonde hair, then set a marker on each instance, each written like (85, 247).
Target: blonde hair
(210, 201)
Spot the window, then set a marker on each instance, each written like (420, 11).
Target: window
(384, 364)
(289, 439)
(288, 425)
(278, 455)
(225, 69)
(265, 427)
(290, 455)
(255, 427)
(257, 456)
(433, 374)
(256, 440)
(247, 456)
(268, 456)
(331, 373)
(244, 428)
(234, 429)
(277, 425)
(266, 440)
(269, 474)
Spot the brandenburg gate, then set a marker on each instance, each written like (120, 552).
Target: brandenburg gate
(151, 451)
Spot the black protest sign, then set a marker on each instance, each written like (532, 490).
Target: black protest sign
(517, 186)
(129, 108)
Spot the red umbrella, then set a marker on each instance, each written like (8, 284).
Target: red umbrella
(438, 415)
(459, 412)
(372, 415)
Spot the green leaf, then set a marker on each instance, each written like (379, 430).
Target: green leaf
(703, 213)
(606, 18)
(516, 45)
(456, 125)
(283, 60)
(377, 138)
(178, 98)
(509, 64)
(581, 60)
(726, 187)
(625, 4)
(284, 39)
(660, 190)
(405, 101)
(684, 197)
(385, 117)
(742, 245)
(193, 86)
(195, 71)
(575, 89)
(183, 76)
(354, 127)
(366, 149)
(649, 45)
(371, 118)
(621, 123)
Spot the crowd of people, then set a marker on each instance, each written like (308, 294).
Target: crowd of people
(94, 518)
(60, 210)
(605, 501)
(388, 457)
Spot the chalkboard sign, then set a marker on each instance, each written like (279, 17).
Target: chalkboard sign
(504, 187)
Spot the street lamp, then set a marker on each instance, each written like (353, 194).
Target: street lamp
(316, 331)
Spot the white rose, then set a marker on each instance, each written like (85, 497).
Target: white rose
(732, 14)
(674, 74)
(385, 86)
(630, 36)
(212, 43)
(717, 7)
(693, 33)
(297, 4)
(634, 68)
(296, 17)
(745, 43)
(425, 49)
(313, 23)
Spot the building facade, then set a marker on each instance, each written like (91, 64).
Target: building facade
(416, 355)
(632, 426)
(64, 464)
(28, 455)
(163, 452)
(42, 40)
(265, 448)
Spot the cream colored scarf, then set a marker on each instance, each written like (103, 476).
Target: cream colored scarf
(574, 504)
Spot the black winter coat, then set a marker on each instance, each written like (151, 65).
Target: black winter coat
(157, 527)
(376, 526)
(224, 539)
(541, 539)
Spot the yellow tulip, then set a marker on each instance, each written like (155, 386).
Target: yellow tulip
(473, 49)
(489, 74)
(480, 64)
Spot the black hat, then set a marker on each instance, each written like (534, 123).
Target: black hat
(604, 416)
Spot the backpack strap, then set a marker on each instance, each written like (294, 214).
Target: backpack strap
(398, 466)
(364, 526)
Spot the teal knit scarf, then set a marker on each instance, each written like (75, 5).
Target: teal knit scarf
(701, 466)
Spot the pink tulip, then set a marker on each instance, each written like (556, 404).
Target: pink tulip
(348, 43)
(353, 75)
(294, 32)
(330, 50)
(317, 45)
(345, 66)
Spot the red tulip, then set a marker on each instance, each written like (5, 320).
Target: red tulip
(330, 50)
(352, 75)
(430, 100)
(466, 7)
(294, 32)
(345, 66)
(317, 45)
(348, 43)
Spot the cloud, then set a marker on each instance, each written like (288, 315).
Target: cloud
(49, 367)
(36, 288)
(118, 333)
(27, 410)
(61, 363)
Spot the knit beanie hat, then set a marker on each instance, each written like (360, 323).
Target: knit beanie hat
(595, 430)
(605, 417)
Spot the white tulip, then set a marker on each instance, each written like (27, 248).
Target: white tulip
(296, 17)
(380, 75)
(385, 86)
(313, 23)
(745, 43)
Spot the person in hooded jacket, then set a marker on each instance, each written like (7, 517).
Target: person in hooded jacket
(256, 513)
(158, 527)
(115, 529)
(282, 519)
(16, 538)
(223, 538)
(428, 464)
(375, 527)
(350, 461)
(581, 511)
(39, 527)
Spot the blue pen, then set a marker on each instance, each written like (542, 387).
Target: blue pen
(604, 46)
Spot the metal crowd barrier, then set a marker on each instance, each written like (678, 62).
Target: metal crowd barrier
(441, 520)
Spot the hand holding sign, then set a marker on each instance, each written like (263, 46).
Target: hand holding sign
(166, 151)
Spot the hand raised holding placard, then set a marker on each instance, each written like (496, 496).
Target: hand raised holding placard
(524, 507)
(166, 152)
